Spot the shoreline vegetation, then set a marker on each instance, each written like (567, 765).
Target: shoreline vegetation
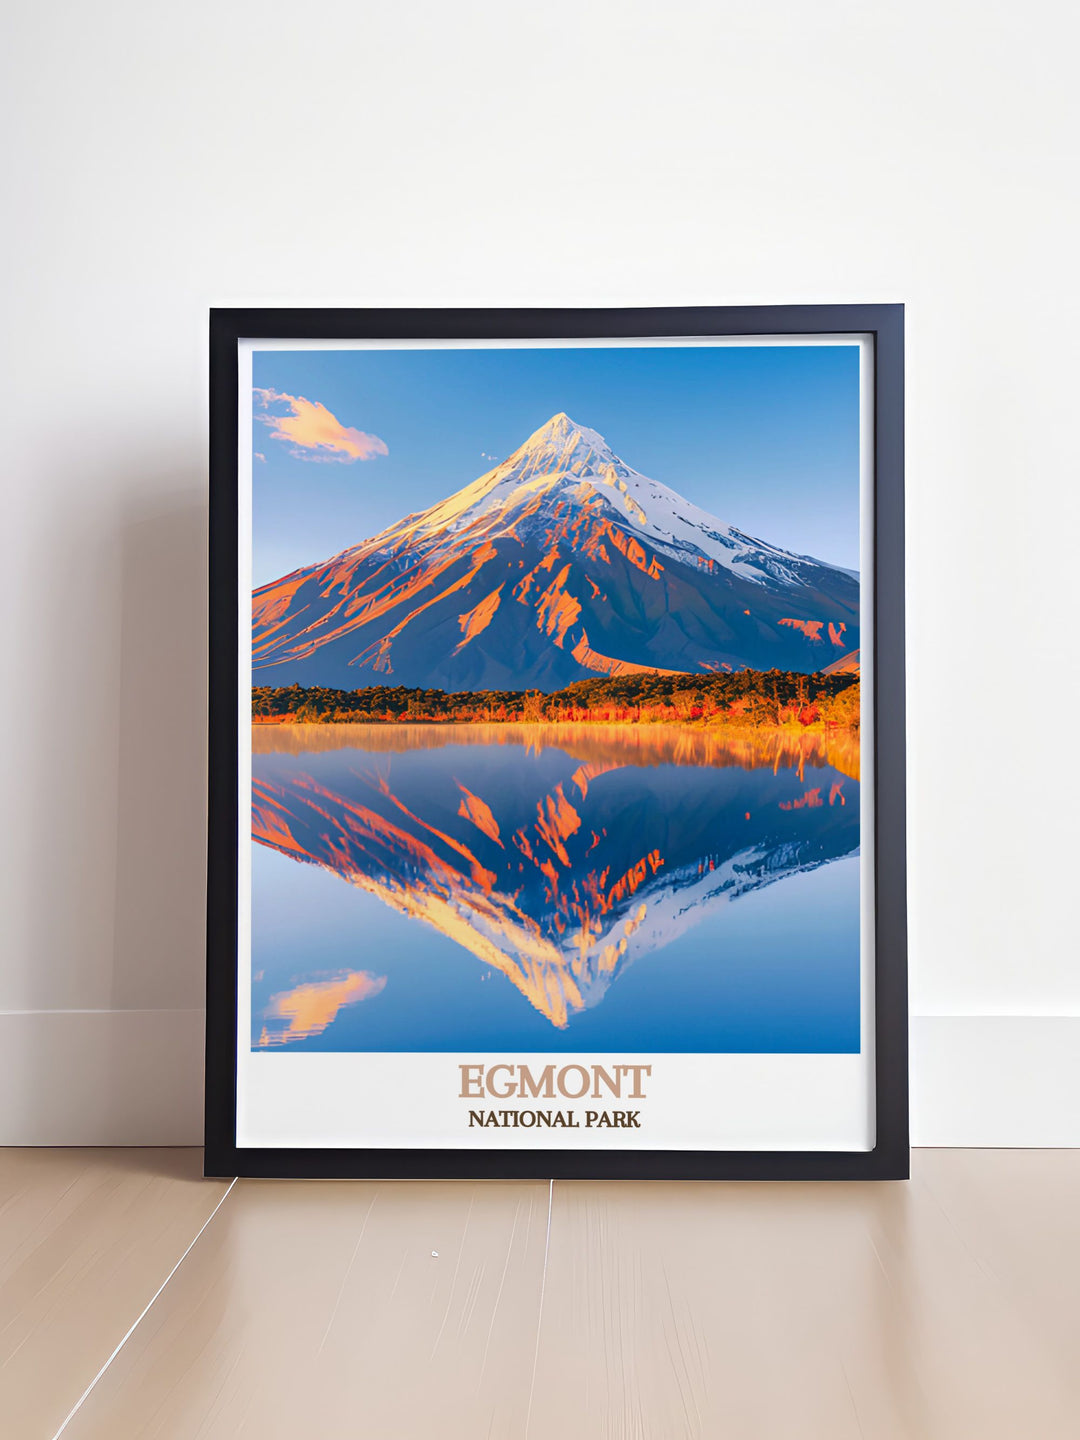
(744, 699)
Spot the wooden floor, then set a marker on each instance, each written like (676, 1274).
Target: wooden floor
(138, 1300)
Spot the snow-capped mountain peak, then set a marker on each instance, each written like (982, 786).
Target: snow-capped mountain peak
(560, 453)
(566, 461)
(560, 562)
(565, 445)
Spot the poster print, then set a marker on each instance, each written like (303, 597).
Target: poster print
(555, 665)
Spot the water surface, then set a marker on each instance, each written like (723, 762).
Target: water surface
(544, 888)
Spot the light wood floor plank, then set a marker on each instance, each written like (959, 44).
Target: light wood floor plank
(940, 1310)
(1016, 1213)
(826, 1312)
(340, 1310)
(86, 1238)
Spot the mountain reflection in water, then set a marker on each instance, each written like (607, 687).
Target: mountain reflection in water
(556, 855)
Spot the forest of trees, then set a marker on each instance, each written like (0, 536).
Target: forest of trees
(745, 698)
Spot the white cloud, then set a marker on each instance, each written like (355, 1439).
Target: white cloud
(315, 433)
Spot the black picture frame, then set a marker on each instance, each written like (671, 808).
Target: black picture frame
(889, 1159)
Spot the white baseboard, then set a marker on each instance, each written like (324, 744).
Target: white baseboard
(134, 1077)
(995, 1080)
(101, 1077)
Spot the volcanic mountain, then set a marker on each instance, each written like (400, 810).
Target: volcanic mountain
(560, 564)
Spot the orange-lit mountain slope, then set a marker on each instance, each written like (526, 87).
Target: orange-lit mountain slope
(559, 564)
(846, 665)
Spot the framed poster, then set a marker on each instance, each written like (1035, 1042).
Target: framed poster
(557, 743)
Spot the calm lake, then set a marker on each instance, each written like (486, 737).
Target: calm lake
(516, 888)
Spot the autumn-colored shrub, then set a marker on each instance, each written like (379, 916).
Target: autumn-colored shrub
(752, 698)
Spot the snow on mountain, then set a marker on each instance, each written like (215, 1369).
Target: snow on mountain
(564, 458)
(559, 563)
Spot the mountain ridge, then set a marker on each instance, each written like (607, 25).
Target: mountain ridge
(559, 563)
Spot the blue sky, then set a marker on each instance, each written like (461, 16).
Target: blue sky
(763, 437)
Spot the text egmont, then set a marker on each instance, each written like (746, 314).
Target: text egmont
(570, 1082)
(505, 1081)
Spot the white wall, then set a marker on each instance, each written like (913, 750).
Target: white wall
(167, 157)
